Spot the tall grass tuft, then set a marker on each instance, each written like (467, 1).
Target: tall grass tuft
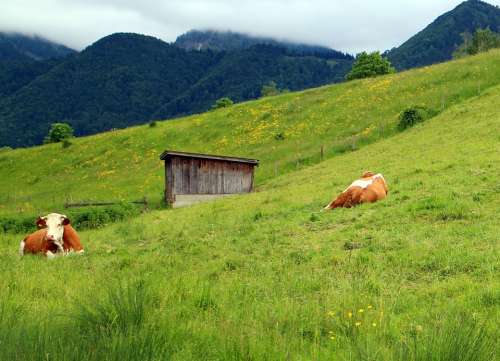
(459, 339)
(121, 310)
(147, 344)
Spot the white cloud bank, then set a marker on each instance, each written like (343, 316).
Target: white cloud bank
(348, 25)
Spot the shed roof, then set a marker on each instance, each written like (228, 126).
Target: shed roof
(171, 153)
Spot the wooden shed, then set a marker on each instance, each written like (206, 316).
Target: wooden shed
(192, 177)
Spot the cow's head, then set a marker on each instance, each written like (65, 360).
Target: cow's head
(54, 222)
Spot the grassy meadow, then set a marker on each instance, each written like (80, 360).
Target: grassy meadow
(285, 132)
(266, 276)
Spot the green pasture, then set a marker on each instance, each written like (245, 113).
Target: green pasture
(266, 276)
(286, 132)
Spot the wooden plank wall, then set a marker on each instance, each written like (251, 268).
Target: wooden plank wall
(202, 176)
(169, 182)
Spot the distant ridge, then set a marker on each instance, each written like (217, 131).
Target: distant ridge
(228, 40)
(437, 42)
(19, 47)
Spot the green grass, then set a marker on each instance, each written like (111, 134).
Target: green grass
(266, 276)
(124, 165)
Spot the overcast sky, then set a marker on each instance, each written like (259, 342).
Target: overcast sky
(348, 25)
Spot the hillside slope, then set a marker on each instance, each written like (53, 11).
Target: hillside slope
(128, 79)
(285, 132)
(237, 72)
(437, 42)
(409, 278)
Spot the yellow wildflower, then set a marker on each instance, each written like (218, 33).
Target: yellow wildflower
(361, 310)
(332, 337)
(358, 324)
(349, 314)
(369, 307)
(374, 324)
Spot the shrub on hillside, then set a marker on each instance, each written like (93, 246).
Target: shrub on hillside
(369, 65)
(83, 218)
(482, 40)
(222, 103)
(269, 89)
(97, 217)
(413, 115)
(17, 225)
(58, 132)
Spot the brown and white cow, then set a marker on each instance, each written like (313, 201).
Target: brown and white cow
(56, 236)
(369, 188)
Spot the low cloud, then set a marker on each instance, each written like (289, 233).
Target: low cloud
(350, 26)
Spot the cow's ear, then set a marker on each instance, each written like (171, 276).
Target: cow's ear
(65, 221)
(40, 222)
(367, 174)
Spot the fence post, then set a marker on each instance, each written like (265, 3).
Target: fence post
(322, 153)
(381, 130)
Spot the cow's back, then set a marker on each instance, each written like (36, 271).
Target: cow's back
(372, 194)
(370, 188)
(71, 239)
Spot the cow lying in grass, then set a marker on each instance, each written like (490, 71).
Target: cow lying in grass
(56, 236)
(370, 188)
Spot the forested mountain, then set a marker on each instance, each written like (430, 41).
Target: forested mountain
(19, 47)
(127, 79)
(23, 58)
(118, 81)
(241, 74)
(437, 42)
(228, 40)
(17, 74)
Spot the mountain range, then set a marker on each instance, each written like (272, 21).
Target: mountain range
(437, 42)
(230, 41)
(126, 79)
